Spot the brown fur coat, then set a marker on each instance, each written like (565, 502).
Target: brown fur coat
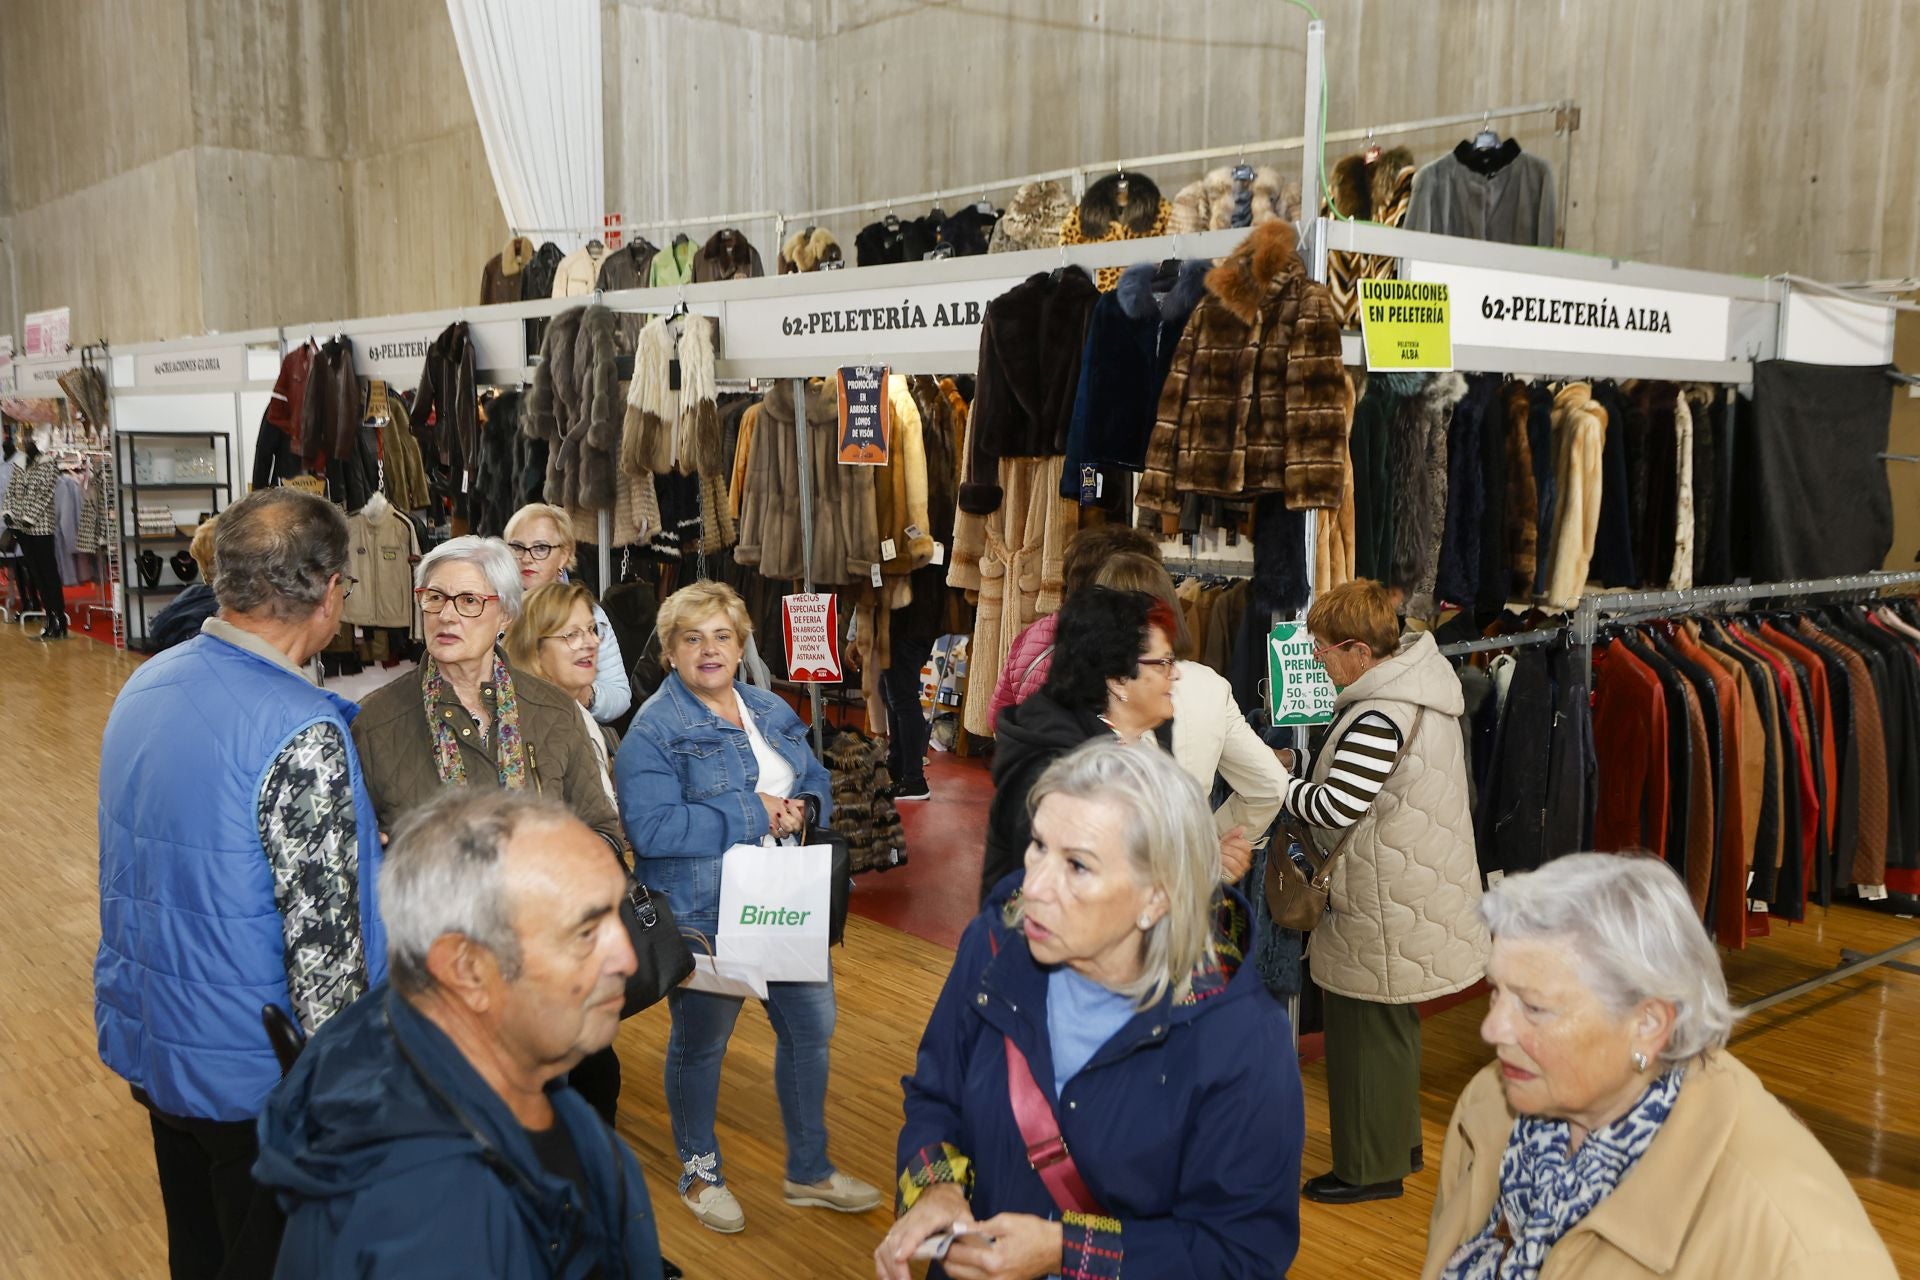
(1257, 399)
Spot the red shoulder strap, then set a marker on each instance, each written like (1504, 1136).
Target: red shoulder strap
(1046, 1149)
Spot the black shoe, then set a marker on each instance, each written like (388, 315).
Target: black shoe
(911, 791)
(1419, 1157)
(1327, 1189)
(670, 1272)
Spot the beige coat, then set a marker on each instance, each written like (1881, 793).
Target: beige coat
(1579, 445)
(1015, 559)
(1406, 890)
(1733, 1185)
(1211, 735)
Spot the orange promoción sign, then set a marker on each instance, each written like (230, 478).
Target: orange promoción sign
(865, 425)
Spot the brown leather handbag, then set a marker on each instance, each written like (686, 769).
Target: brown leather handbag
(1297, 876)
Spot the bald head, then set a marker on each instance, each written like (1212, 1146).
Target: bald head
(275, 552)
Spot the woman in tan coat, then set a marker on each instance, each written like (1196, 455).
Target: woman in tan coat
(1615, 1136)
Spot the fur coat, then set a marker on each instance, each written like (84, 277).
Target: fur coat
(1131, 339)
(574, 407)
(1032, 219)
(726, 256)
(846, 538)
(1419, 460)
(1379, 192)
(494, 485)
(1579, 443)
(1216, 202)
(806, 250)
(1256, 400)
(967, 231)
(1118, 207)
(1335, 540)
(677, 430)
(1523, 496)
(900, 494)
(1030, 349)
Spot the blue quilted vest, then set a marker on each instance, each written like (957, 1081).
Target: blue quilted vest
(191, 943)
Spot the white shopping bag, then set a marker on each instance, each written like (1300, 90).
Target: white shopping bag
(774, 907)
(726, 978)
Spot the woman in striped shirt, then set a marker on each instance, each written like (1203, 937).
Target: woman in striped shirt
(1390, 790)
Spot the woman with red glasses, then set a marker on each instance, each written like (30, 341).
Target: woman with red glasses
(1389, 791)
(1112, 676)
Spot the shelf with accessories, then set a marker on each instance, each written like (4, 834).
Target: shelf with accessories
(143, 528)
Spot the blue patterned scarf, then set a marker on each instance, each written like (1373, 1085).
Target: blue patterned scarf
(1544, 1192)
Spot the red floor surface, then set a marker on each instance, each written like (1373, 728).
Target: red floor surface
(95, 626)
(938, 890)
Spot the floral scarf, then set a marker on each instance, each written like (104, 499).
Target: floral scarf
(511, 750)
(1544, 1192)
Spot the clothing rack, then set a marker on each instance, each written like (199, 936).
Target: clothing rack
(1517, 640)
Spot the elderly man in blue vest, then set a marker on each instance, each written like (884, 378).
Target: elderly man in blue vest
(238, 860)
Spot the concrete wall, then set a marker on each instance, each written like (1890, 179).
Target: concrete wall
(711, 107)
(101, 181)
(1736, 135)
(421, 211)
(245, 162)
(267, 85)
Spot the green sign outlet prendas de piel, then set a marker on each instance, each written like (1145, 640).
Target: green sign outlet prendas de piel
(1299, 690)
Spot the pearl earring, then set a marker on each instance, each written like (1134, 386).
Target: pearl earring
(1123, 695)
(1146, 922)
(1639, 1060)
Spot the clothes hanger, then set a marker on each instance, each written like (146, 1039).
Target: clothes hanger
(1487, 139)
(1372, 152)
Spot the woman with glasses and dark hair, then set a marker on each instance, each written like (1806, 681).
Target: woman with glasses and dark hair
(1389, 788)
(1112, 676)
(544, 548)
(470, 716)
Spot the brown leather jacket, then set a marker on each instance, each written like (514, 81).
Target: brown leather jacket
(396, 750)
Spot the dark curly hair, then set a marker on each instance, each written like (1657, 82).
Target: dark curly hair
(1101, 635)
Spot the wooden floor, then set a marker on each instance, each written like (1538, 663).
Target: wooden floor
(77, 1192)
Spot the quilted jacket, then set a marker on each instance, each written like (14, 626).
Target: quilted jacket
(1406, 890)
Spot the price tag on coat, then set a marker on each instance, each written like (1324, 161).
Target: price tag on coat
(875, 573)
(939, 553)
(888, 550)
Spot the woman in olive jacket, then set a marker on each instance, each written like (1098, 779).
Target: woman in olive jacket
(465, 716)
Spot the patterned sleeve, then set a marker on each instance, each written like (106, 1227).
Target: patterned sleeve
(1362, 759)
(312, 841)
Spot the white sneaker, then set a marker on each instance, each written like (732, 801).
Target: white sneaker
(715, 1207)
(839, 1193)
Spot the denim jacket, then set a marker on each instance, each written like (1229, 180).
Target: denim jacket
(686, 781)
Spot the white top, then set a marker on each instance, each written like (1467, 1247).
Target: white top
(599, 741)
(776, 775)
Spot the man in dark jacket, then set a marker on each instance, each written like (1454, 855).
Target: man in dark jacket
(431, 1130)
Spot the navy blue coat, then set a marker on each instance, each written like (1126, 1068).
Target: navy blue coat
(380, 1177)
(1187, 1125)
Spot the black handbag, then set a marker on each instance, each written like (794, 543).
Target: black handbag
(841, 882)
(661, 958)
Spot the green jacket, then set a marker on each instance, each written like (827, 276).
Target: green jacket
(396, 750)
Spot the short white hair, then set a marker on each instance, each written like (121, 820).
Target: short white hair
(442, 875)
(1633, 928)
(1171, 845)
(490, 556)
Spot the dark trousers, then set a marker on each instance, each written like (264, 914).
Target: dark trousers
(597, 1079)
(907, 724)
(219, 1223)
(1373, 1087)
(44, 572)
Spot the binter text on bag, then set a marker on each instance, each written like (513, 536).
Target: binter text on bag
(750, 914)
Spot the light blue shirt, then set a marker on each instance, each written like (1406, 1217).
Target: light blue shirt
(612, 691)
(1082, 1016)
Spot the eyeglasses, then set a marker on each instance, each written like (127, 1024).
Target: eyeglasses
(467, 604)
(347, 583)
(531, 550)
(1166, 665)
(577, 639)
(1322, 650)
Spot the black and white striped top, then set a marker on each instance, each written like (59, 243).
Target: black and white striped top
(1362, 759)
(29, 496)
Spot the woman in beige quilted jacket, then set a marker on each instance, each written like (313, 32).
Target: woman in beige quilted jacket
(1390, 789)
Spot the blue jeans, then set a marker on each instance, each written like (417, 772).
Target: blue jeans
(802, 1014)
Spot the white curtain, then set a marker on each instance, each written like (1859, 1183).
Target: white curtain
(533, 71)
